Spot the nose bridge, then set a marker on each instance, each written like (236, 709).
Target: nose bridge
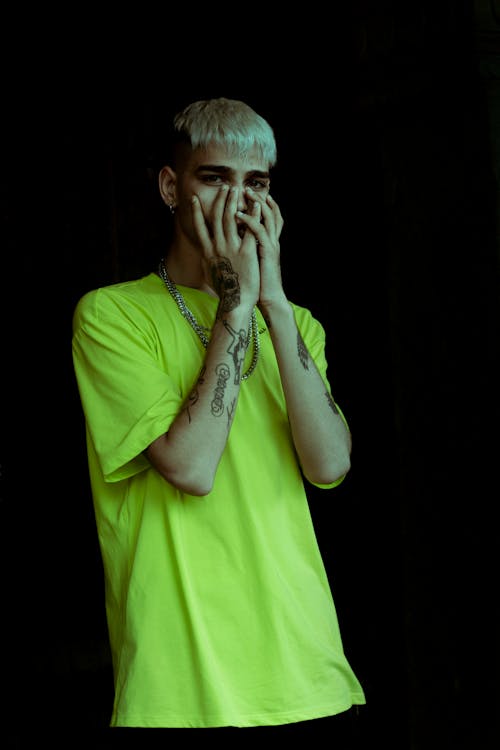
(239, 185)
(242, 202)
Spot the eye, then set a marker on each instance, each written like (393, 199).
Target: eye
(258, 184)
(211, 179)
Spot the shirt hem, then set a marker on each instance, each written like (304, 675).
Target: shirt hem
(251, 720)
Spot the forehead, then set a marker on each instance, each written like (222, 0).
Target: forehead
(222, 156)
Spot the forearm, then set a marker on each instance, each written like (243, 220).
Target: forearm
(321, 438)
(189, 453)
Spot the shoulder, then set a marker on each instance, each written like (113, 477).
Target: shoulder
(123, 297)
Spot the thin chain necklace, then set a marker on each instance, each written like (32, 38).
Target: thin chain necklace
(253, 330)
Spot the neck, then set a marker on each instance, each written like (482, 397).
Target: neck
(185, 267)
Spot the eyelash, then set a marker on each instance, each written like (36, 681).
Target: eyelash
(254, 184)
(259, 185)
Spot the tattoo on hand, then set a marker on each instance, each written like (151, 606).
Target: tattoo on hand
(237, 349)
(331, 403)
(302, 352)
(217, 405)
(226, 283)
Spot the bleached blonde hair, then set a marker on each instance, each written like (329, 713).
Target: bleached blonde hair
(226, 122)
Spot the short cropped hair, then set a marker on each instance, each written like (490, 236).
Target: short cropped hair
(226, 122)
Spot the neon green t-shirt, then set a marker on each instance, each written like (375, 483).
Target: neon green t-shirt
(218, 607)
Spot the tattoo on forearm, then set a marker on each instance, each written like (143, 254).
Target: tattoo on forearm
(226, 283)
(302, 352)
(217, 405)
(237, 349)
(230, 413)
(331, 403)
(194, 395)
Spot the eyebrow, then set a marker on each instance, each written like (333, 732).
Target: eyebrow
(221, 169)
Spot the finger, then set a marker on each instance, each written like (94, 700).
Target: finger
(274, 207)
(218, 210)
(250, 218)
(256, 215)
(272, 216)
(229, 218)
(253, 223)
(200, 224)
(257, 210)
(267, 208)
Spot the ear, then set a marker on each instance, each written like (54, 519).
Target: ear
(167, 180)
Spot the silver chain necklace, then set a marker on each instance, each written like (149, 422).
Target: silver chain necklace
(253, 330)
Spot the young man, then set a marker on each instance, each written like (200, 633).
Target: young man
(208, 407)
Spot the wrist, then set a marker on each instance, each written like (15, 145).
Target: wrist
(279, 310)
(238, 315)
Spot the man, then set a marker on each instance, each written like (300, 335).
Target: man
(207, 408)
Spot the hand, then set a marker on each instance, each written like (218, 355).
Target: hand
(266, 229)
(230, 260)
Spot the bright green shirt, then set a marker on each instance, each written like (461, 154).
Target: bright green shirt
(218, 607)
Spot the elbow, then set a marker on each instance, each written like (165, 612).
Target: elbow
(343, 468)
(330, 472)
(184, 474)
(198, 489)
(189, 482)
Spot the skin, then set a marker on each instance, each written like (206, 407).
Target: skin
(225, 242)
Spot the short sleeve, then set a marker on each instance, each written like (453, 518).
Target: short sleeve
(127, 397)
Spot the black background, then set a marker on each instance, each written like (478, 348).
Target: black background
(387, 117)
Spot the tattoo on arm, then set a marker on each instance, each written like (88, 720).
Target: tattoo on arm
(217, 405)
(331, 403)
(226, 283)
(194, 395)
(230, 413)
(237, 349)
(302, 352)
